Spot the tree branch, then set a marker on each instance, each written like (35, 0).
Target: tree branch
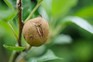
(19, 6)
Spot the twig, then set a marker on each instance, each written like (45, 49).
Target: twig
(30, 15)
(19, 6)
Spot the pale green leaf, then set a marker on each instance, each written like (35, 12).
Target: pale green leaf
(63, 39)
(36, 51)
(49, 55)
(33, 60)
(80, 22)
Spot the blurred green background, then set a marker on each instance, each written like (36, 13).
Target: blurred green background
(71, 29)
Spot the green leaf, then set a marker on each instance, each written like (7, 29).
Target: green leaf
(16, 48)
(62, 39)
(36, 51)
(80, 22)
(12, 15)
(85, 12)
(28, 6)
(7, 15)
(9, 4)
(58, 8)
(49, 55)
(33, 60)
(7, 34)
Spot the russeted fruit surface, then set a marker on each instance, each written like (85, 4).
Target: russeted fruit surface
(36, 31)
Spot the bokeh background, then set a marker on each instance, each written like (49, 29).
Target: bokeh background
(72, 41)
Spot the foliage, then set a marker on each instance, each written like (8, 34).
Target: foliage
(71, 30)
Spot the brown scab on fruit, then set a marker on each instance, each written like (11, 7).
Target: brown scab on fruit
(35, 31)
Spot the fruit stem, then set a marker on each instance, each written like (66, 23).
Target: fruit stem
(36, 7)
